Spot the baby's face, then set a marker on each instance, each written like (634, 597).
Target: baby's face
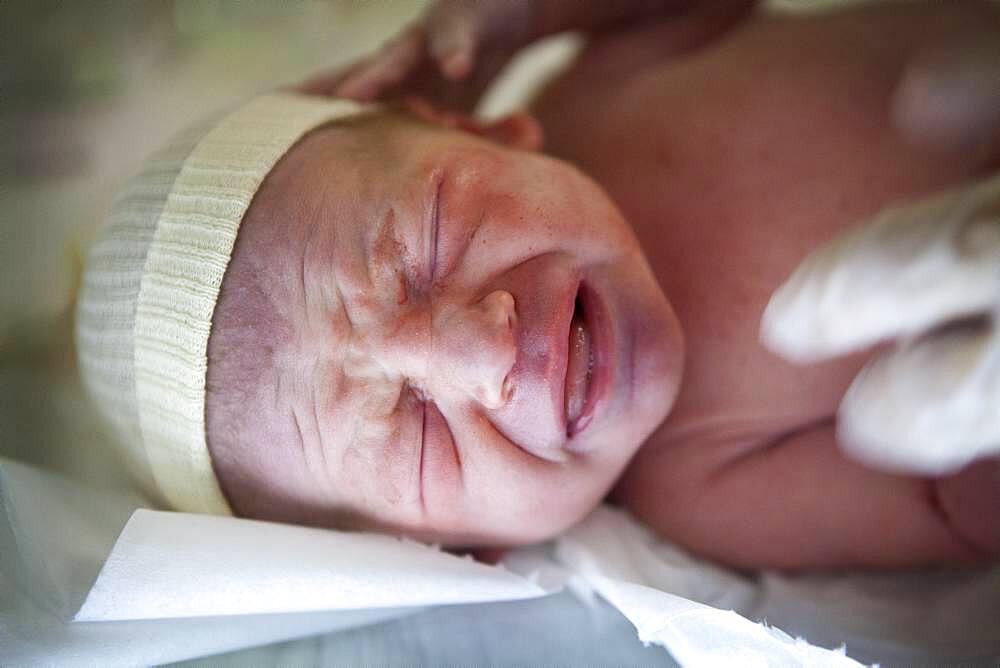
(426, 332)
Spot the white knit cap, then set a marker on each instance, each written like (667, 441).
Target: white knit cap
(152, 279)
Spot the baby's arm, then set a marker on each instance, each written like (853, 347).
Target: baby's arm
(794, 504)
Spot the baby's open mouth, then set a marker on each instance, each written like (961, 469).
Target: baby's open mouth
(579, 368)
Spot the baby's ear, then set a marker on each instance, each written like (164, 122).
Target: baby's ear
(518, 130)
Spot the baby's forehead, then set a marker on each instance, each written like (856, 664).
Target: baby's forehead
(289, 229)
(254, 315)
(247, 326)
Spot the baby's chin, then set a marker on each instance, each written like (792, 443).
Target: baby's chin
(654, 349)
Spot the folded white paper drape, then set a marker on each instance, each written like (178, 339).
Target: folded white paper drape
(181, 565)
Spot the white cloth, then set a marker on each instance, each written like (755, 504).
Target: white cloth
(178, 586)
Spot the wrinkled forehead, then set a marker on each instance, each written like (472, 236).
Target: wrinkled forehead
(307, 243)
(331, 182)
(348, 201)
(316, 216)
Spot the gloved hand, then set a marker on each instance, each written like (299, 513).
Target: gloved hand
(928, 274)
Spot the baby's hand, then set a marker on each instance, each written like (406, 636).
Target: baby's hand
(452, 53)
(449, 55)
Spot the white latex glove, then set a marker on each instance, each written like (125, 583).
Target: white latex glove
(928, 274)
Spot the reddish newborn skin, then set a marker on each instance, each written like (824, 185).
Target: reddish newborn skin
(732, 162)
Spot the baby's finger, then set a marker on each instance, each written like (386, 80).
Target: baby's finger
(453, 35)
(382, 71)
(387, 68)
(328, 81)
(930, 406)
(914, 266)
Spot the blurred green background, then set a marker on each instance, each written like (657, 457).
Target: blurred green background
(88, 89)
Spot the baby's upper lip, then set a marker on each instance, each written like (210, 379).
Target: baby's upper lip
(561, 352)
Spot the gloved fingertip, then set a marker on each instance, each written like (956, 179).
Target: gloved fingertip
(927, 406)
(788, 325)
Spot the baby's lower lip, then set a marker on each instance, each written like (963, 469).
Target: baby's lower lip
(593, 366)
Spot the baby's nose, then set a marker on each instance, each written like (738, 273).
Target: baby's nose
(475, 349)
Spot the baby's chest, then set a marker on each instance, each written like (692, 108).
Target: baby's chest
(734, 386)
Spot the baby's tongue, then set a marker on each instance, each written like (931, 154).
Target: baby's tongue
(577, 368)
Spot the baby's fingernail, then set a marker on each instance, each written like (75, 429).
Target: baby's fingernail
(455, 63)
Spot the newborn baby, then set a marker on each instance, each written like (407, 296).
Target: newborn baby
(427, 332)
(428, 327)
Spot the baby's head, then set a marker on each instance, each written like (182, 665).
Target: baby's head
(423, 330)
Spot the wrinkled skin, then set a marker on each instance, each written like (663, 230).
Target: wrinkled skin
(398, 378)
